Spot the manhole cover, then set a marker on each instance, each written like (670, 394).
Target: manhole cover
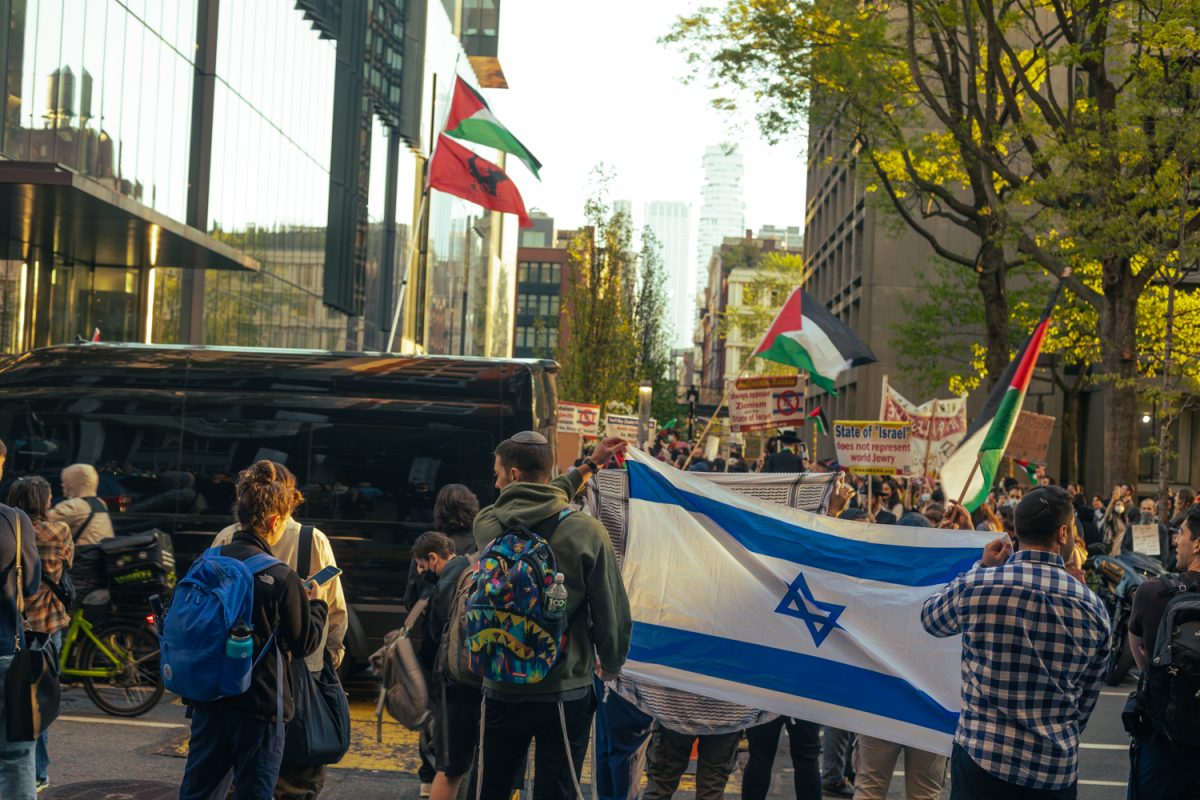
(113, 790)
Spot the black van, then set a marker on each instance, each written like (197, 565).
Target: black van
(370, 437)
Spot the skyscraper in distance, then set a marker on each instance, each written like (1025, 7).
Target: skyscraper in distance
(670, 221)
(722, 209)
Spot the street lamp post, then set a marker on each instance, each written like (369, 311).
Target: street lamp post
(645, 394)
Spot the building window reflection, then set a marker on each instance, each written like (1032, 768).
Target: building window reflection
(113, 104)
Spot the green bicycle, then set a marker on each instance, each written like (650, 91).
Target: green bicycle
(117, 663)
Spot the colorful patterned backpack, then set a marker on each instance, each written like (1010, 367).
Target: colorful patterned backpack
(515, 624)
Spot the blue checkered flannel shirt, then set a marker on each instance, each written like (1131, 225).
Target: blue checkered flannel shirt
(1035, 646)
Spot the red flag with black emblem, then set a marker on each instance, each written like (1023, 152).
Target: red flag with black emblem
(458, 171)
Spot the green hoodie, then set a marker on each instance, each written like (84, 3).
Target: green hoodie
(589, 567)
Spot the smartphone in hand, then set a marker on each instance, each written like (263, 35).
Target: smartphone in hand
(323, 576)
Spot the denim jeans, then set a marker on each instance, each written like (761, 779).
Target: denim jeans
(622, 732)
(1156, 773)
(835, 756)
(43, 754)
(16, 758)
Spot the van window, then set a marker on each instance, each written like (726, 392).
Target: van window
(130, 440)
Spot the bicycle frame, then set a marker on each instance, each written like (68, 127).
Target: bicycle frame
(80, 625)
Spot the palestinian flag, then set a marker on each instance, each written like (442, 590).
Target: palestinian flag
(990, 431)
(817, 415)
(806, 336)
(471, 120)
(1030, 469)
(456, 170)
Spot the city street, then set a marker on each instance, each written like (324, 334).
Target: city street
(87, 746)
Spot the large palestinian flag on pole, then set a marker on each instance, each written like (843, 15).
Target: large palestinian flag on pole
(471, 120)
(987, 438)
(806, 336)
(456, 170)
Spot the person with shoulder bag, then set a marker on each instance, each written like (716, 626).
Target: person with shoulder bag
(234, 678)
(84, 513)
(1163, 717)
(315, 684)
(18, 546)
(456, 715)
(47, 612)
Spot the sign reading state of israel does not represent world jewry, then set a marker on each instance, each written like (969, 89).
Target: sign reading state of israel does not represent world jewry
(872, 447)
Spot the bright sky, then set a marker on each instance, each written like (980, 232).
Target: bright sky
(589, 82)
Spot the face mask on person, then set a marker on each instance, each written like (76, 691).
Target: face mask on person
(1119, 508)
(430, 576)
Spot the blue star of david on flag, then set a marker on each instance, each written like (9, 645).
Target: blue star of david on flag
(799, 602)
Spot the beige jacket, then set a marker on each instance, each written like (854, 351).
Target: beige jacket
(322, 556)
(74, 512)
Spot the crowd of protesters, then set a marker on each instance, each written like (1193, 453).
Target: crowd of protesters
(1036, 639)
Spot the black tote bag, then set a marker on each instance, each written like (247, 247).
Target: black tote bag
(319, 733)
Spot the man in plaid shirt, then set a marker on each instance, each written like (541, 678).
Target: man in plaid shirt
(1035, 646)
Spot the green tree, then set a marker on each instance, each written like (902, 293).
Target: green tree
(651, 328)
(1067, 127)
(599, 354)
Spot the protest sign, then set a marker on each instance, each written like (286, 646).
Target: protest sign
(626, 426)
(938, 426)
(581, 418)
(872, 447)
(1145, 540)
(1031, 438)
(768, 401)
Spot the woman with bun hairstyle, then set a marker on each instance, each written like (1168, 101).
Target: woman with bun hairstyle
(244, 733)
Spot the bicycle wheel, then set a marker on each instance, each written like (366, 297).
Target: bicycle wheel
(136, 683)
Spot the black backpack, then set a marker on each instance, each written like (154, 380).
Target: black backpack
(1172, 680)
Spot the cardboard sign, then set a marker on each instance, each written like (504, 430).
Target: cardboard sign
(1031, 437)
(1145, 540)
(626, 426)
(768, 401)
(873, 447)
(581, 418)
(938, 426)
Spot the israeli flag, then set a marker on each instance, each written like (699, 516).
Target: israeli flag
(805, 615)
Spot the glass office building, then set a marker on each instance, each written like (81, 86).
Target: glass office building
(241, 173)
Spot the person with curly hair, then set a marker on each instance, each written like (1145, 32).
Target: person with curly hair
(245, 733)
(300, 781)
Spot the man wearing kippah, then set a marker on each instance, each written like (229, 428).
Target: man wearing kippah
(557, 711)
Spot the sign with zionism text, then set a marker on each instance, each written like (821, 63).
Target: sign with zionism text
(938, 426)
(581, 418)
(872, 447)
(767, 401)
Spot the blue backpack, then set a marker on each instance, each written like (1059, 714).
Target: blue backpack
(216, 596)
(514, 635)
